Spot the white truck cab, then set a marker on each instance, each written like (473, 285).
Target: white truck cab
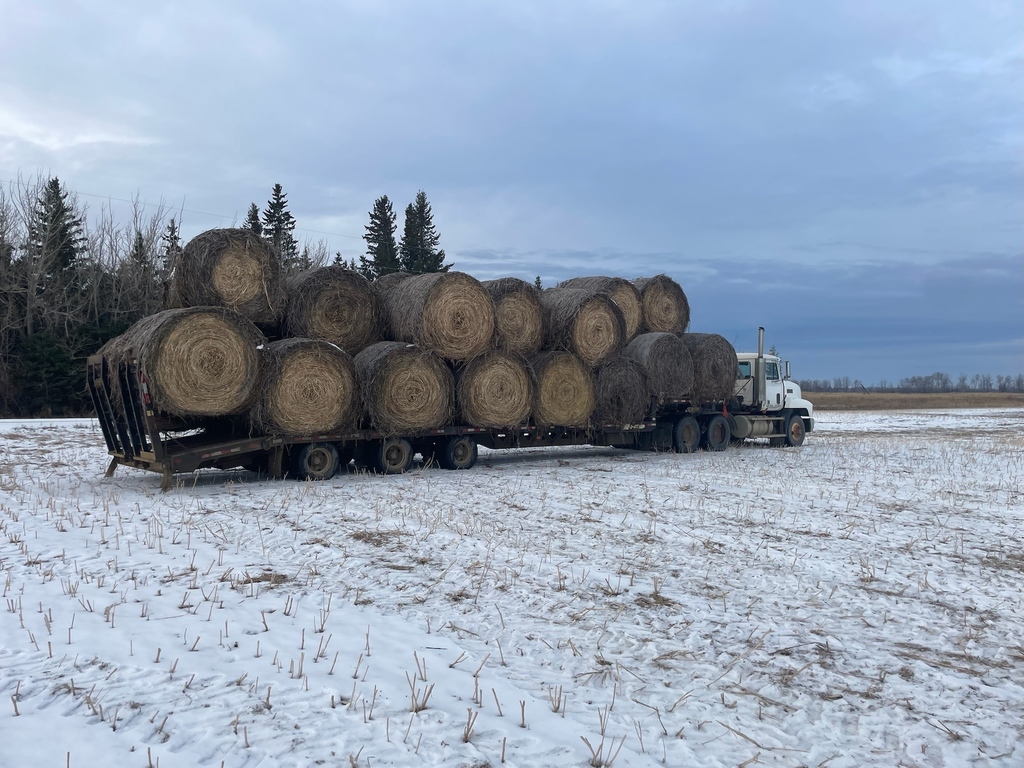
(764, 389)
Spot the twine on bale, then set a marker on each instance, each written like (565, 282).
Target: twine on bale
(667, 361)
(714, 366)
(665, 306)
(405, 389)
(198, 361)
(623, 394)
(309, 386)
(233, 268)
(564, 390)
(518, 315)
(449, 313)
(621, 291)
(335, 304)
(494, 390)
(587, 324)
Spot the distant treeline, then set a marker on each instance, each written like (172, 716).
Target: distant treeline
(67, 285)
(936, 382)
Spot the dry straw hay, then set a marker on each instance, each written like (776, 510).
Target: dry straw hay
(667, 361)
(666, 308)
(232, 268)
(714, 366)
(198, 361)
(518, 315)
(309, 386)
(623, 392)
(585, 323)
(494, 390)
(406, 389)
(386, 282)
(622, 292)
(564, 391)
(446, 312)
(335, 304)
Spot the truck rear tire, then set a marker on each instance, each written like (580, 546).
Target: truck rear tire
(315, 461)
(796, 431)
(394, 456)
(686, 435)
(459, 452)
(717, 433)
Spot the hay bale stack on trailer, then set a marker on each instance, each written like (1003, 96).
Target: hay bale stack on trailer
(582, 322)
(667, 361)
(518, 315)
(665, 306)
(622, 394)
(714, 366)
(494, 390)
(625, 295)
(564, 393)
(337, 305)
(406, 389)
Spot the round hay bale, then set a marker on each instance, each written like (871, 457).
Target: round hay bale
(714, 366)
(665, 306)
(309, 386)
(623, 392)
(386, 282)
(564, 390)
(494, 390)
(198, 361)
(667, 361)
(518, 315)
(335, 304)
(232, 268)
(622, 292)
(406, 389)
(449, 313)
(587, 324)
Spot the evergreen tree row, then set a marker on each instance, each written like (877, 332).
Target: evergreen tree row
(417, 252)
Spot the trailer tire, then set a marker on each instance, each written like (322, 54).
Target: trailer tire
(796, 431)
(686, 435)
(393, 456)
(716, 433)
(315, 461)
(459, 452)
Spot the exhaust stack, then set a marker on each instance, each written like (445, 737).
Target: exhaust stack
(760, 381)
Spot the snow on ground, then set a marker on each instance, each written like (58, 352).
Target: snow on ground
(855, 602)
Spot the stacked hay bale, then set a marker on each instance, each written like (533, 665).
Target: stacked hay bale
(623, 393)
(197, 361)
(714, 366)
(449, 313)
(335, 304)
(232, 268)
(625, 295)
(665, 307)
(494, 390)
(565, 393)
(309, 386)
(585, 323)
(666, 359)
(406, 389)
(518, 315)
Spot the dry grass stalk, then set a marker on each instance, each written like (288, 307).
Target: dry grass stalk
(449, 313)
(623, 394)
(309, 386)
(625, 295)
(585, 323)
(494, 390)
(714, 366)
(336, 304)
(518, 315)
(564, 394)
(232, 268)
(199, 361)
(666, 308)
(667, 361)
(405, 389)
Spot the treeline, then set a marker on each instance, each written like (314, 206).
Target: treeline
(67, 284)
(936, 382)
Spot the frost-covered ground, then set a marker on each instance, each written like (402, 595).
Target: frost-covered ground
(856, 602)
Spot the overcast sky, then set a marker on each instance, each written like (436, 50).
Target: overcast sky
(848, 174)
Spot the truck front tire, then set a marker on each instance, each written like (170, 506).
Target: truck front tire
(796, 431)
(717, 433)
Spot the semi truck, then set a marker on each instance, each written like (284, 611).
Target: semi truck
(766, 403)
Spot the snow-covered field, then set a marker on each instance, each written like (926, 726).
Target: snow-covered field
(855, 602)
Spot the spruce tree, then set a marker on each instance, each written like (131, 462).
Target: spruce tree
(55, 236)
(418, 252)
(381, 251)
(252, 220)
(170, 247)
(537, 283)
(278, 225)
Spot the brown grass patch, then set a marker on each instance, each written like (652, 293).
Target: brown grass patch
(898, 401)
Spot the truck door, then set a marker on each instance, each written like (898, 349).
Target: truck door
(774, 386)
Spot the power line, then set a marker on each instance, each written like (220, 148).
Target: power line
(186, 210)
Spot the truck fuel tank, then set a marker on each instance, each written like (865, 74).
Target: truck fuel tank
(746, 426)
